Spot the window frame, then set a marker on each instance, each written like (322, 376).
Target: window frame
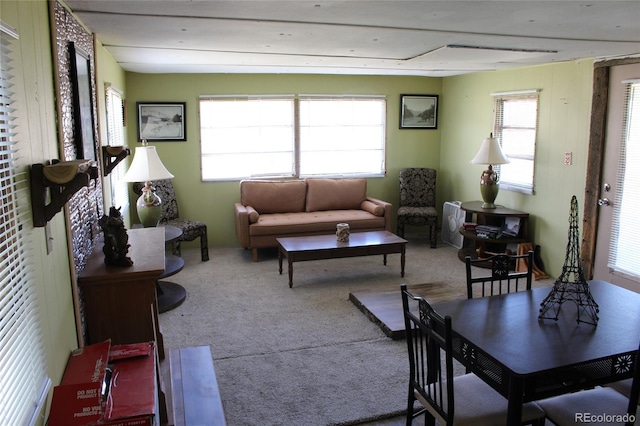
(498, 132)
(296, 152)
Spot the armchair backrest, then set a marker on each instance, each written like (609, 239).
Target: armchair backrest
(417, 187)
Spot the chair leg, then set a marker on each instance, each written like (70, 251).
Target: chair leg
(175, 249)
(411, 400)
(204, 246)
(400, 230)
(432, 235)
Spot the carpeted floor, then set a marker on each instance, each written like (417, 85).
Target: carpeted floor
(303, 355)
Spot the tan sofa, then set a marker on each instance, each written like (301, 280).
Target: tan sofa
(272, 209)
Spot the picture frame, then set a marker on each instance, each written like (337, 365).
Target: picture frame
(419, 111)
(162, 121)
(83, 126)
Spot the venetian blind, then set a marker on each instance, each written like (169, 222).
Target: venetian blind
(23, 380)
(515, 127)
(623, 255)
(115, 136)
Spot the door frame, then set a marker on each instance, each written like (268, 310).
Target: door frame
(595, 157)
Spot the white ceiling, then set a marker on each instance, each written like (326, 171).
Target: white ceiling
(425, 38)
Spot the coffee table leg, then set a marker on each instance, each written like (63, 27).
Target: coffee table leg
(384, 259)
(290, 272)
(280, 261)
(402, 261)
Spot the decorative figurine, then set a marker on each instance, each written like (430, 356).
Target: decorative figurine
(566, 289)
(116, 240)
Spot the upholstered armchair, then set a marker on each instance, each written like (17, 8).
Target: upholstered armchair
(418, 201)
(191, 229)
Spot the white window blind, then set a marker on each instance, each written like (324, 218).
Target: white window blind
(245, 137)
(289, 136)
(515, 127)
(115, 137)
(623, 254)
(342, 136)
(23, 380)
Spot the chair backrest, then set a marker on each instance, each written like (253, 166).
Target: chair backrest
(429, 335)
(502, 277)
(417, 187)
(164, 190)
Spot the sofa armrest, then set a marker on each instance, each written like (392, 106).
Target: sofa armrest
(388, 212)
(242, 224)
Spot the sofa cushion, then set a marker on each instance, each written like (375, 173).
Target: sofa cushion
(372, 208)
(273, 196)
(287, 224)
(253, 214)
(335, 194)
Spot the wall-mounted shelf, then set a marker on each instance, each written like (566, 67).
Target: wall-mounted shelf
(63, 179)
(111, 156)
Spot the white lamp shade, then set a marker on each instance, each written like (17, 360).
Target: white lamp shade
(146, 166)
(490, 153)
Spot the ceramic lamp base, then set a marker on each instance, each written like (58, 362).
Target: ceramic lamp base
(489, 188)
(149, 207)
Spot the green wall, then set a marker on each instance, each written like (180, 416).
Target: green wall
(212, 202)
(563, 121)
(465, 118)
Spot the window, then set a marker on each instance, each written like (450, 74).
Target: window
(289, 136)
(516, 121)
(115, 136)
(23, 380)
(623, 257)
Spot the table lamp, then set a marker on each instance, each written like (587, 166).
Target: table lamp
(489, 153)
(145, 167)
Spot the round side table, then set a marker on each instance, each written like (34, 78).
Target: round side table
(170, 294)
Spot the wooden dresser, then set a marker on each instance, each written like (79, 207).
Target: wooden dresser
(120, 303)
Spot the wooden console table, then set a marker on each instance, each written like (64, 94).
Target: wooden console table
(120, 303)
(495, 217)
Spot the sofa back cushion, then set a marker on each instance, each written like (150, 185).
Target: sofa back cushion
(273, 196)
(335, 194)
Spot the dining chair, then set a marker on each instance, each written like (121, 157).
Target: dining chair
(614, 399)
(417, 205)
(191, 229)
(460, 400)
(602, 405)
(503, 277)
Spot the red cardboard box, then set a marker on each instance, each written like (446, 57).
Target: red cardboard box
(88, 395)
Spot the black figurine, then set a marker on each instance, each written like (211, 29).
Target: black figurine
(116, 240)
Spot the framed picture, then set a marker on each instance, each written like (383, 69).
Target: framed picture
(418, 111)
(162, 121)
(80, 70)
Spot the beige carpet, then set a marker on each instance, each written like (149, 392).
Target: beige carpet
(303, 355)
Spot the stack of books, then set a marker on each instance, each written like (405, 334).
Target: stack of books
(488, 231)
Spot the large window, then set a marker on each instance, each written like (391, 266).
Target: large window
(115, 136)
(292, 136)
(23, 380)
(516, 122)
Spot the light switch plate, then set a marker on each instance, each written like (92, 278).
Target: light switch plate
(568, 158)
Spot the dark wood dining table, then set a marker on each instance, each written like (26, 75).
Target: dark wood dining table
(501, 339)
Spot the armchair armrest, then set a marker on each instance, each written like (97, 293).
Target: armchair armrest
(388, 212)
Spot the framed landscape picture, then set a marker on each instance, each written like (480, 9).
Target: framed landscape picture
(162, 121)
(418, 111)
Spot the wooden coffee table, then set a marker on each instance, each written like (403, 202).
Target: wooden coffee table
(317, 247)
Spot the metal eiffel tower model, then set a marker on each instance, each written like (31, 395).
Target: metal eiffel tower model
(571, 285)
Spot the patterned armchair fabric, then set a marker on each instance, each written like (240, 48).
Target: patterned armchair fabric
(191, 229)
(418, 200)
